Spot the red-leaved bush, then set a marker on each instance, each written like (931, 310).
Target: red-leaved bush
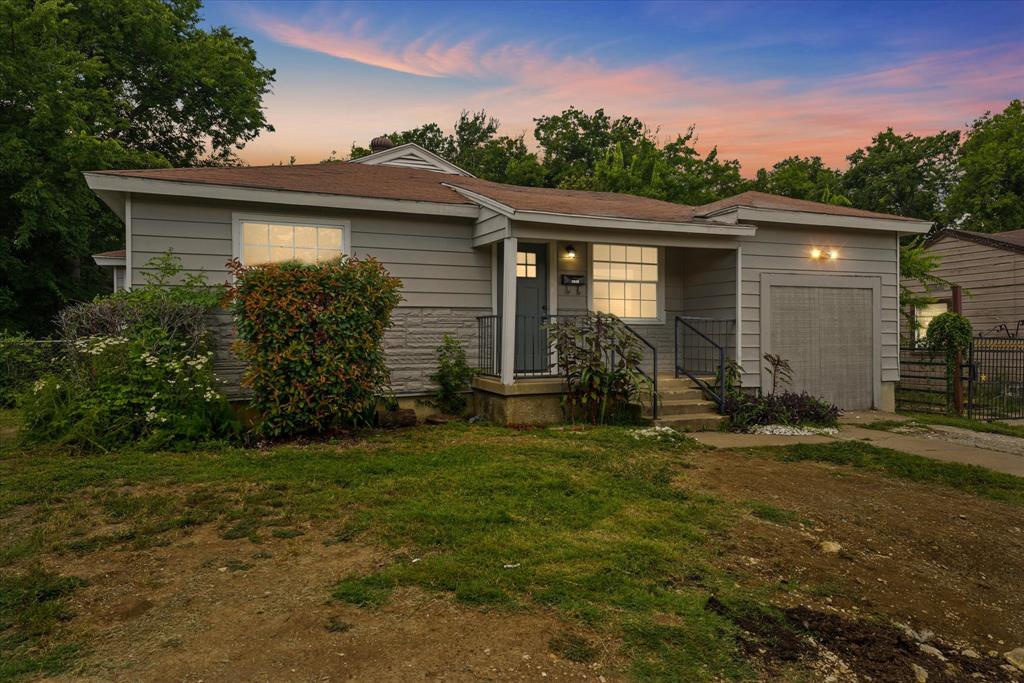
(313, 339)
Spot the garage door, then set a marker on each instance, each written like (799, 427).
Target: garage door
(827, 335)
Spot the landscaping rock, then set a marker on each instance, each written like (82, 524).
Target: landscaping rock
(970, 654)
(920, 673)
(1016, 658)
(830, 547)
(933, 651)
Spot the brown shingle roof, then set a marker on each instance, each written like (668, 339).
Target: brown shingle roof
(393, 182)
(578, 202)
(1011, 239)
(762, 200)
(356, 180)
(117, 253)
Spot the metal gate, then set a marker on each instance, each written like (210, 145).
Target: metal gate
(996, 371)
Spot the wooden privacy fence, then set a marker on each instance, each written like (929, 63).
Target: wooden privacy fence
(991, 380)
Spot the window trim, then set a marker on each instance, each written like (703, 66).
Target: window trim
(919, 332)
(660, 304)
(291, 219)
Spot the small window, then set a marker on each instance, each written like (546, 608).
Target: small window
(526, 264)
(274, 242)
(626, 281)
(924, 316)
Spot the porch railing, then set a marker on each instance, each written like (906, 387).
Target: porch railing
(535, 350)
(700, 345)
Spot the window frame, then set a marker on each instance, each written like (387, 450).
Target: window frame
(660, 290)
(237, 219)
(920, 332)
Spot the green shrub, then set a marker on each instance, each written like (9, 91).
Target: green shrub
(453, 377)
(600, 361)
(134, 369)
(950, 334)
(785, 408)
(22, 361)
(312, 336)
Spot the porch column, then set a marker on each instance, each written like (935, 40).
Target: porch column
(508, 310)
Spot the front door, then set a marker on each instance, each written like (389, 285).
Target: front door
(531, 309)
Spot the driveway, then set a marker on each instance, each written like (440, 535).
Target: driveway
(952, 444)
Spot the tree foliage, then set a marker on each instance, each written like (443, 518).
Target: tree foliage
(989, 196)
(98, 85)
(802, 178)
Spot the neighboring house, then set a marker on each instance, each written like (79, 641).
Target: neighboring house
(989, 268)
(492, 263)
(115, 261)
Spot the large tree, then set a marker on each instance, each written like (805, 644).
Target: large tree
(801, 178)
(907, 175)
(97, 85)
(990, 193)
(474, 145)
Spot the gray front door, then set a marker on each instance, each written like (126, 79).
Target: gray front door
(531, 309)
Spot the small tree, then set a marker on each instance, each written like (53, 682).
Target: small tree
(950, 334)
(313, 338)
(780, 369)
(452, 377)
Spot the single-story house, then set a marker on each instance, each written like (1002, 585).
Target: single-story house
(989, 268)
(491, 263)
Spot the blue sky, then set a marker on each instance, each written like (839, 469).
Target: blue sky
(760, 80)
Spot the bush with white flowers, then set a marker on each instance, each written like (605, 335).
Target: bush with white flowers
(147, 383)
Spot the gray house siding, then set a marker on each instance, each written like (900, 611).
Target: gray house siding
(785, 249)
(447, 283)
(991, 279)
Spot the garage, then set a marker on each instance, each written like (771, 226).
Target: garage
(828, 334)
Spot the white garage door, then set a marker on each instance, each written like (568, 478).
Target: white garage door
(827, 335)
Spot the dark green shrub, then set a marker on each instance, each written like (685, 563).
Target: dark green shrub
(452, 377)
(312, 336)
(600, 361)
(785, 408)
(22, 361)
(134, 368)
(949, 334)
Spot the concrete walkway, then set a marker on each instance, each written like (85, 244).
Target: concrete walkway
(950, 444)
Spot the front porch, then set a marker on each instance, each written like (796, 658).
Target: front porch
(679, 298)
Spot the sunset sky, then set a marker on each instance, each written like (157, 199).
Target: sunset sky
(762, 81)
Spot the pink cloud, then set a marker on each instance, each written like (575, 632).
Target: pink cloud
(757, 122)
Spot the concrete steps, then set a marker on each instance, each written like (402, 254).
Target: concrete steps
(683, 406)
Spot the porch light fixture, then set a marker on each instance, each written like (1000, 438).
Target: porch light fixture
(815, 253)
(570, 251)
(833, 254)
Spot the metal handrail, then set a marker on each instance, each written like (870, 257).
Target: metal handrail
(717, 349)
(655, 396)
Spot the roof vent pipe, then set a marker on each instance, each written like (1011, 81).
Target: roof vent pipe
(381, 143)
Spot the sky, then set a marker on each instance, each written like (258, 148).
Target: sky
(761, 81)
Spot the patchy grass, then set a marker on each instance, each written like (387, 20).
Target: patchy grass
(32, 608)
(968, 478)
(589, 523)
(772, 514)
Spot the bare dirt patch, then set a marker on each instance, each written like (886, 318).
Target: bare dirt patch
(206, 608)
(929, 557)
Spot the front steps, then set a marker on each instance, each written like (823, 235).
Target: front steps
(683, 406)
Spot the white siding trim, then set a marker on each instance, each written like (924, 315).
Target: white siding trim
(552, 295)
(508, 311)
(739, 307)
(129, 266)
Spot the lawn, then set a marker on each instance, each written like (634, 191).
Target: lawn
(993, 427)
(595, 526)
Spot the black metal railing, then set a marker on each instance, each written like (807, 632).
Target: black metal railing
(995, 389)
(652, 378)
(488, 350)
(700, 352)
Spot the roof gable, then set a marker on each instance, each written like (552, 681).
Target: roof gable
(1011, 240)
(411, 155)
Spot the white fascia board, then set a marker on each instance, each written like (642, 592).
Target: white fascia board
(114, 200)
(100, 182)
(483, 201)
(386, 155)
(110, 261)
(749, 213)
(636, 224)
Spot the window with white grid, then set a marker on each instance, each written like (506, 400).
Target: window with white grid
(625, 281)
(274, 242)
(526, 264)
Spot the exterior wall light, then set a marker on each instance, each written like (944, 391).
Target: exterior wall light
(815, 253)
(570, 251)
(833, 254)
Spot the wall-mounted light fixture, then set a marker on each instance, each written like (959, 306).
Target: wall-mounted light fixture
(832, 254)
(570, 251)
